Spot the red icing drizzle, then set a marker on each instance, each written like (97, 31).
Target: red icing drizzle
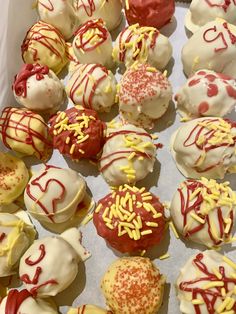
(25, 124)
(82, 42)
(225, 5)
(14, 300)
(203, 107)
(28, 261)
(83, 78)
(209, 296)
(89, 8)
(139, 45)
(49, 7)
(45, 189)
(45, 34)
(2, 236)
(28, 70)
(186, 208)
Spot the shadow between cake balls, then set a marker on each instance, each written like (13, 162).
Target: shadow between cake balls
(68, 296)
(152, 178)
(165, 303)
(83, 167)
(109, 116)
(169, 28)
(114, 33)
(166, 120)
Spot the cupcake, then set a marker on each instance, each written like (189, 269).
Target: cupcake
(77, 133)
(133, 285)
(25, 132)
(203, 211)
(93, 87)
(44, 44)
(130, 219)
(205, 147)
(144, 95)
(128, 155)
(37, 88)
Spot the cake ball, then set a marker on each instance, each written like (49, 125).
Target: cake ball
(14, 177)
(44, 44)
(206, 284)
(207, 93)
(155, 13)
(201, 12)
(37, 88)
(88, 309)
(212, 47)
(144, 95)
(50, 264)
(142, 44)
(133, 285)
(93, 43)
(60, 14)
(15, 238)
(77, 133)
(205, 147)
(93, 87)
(203, 211)
(128, 155)
(130, 219)
(25, 132)
(23, 302)
(109, 11)
(50, 197)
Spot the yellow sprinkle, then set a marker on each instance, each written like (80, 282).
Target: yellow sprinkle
(173, 229)
(99, 207)
(131, 156)
(87, 219)
(131, 205)
(146, 232)
(109, 226)
(165, 256)
(151, 224)
(68, 140)
(72, 149)
(151, 69)
(196, 217)
(140, 221)
(143, 253)
(197, 302)
(127, 224)
(83, 139)
(229, 262)
(105, 212)
(230, 304)
(213, 284)
(129, 232)
(131, 217)
(217, 273)
(158, 215)
(223, 305)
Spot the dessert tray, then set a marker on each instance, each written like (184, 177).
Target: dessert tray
(16, 18)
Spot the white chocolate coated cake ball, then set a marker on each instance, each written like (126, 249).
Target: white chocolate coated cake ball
(205, 147)
(50, 197)
(93, 87)
(203, 211)
(144, 45)
(88, 309)
(207, 282)
(128, 155)
(203, 11)
(23, 302)
(15, 238)
(109, 11)
(59, 13)
(38, 88)
(93, 43)
(50, 264)
(212, 47)
(207, 93)
(144, 95)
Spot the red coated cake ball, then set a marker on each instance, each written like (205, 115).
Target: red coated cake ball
(155, 13)
(77, 133)
(130, 219)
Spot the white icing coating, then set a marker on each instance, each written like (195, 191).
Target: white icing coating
(156, 49)
(50, 197)
(203, 11)
(31, 305)
(45, 95)
(93, 44)
(16, 236)
(211, 47)
(194, 270)
(204, 211)
(205, 147)
(128, 155)
(87, 309)
(108, 10)
(54, 263)
(93, 87)
(144, 95)
(60, 14)
(207, 93)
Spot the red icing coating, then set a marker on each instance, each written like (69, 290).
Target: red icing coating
(14, 300)
(203, 107)
(88, 6)
(83, 79)
(27, 70)
(89, 147)
(45, 189)
(87, 44)
(225, 4)
(186, 208)
(25, 125)
(210, 296)
(140, 84)
(154, 13)
(125, 243)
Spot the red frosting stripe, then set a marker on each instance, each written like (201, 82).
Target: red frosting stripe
(14, 300)
(88, 6)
